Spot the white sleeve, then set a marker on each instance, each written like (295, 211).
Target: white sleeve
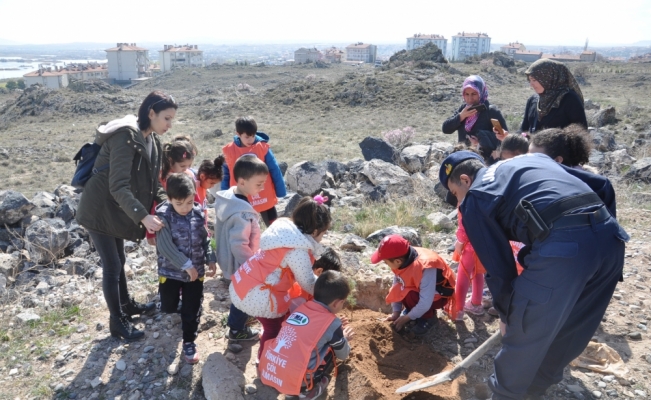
(299, 262)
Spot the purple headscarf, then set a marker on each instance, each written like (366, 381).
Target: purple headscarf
(477, 84)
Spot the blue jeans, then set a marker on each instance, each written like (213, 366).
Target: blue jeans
(237, 318)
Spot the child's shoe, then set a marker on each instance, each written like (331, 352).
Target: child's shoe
(317, 390)
(190, 353)
(245, 334)
(423, 325)
(473, 309)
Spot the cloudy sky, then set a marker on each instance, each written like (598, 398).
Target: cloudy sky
(553, 22)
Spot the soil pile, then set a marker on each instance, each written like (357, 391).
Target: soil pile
(382, 360)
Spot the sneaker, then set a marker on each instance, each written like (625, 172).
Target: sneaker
(190, 353)
(245, 334)
(492, 311)
(473, 309)
(317, 390)
(423, 325)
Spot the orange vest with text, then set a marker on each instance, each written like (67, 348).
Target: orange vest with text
(409, 278)
(267, 197)
(285, 359)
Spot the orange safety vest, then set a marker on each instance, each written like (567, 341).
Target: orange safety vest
(285, 359)
(266, 199)
(516, 247)
(255, 271)
(409, 278)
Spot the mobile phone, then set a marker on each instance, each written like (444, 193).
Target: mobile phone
(478, 107)
(497, 126)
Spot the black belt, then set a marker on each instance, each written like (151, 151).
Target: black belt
(582, 219)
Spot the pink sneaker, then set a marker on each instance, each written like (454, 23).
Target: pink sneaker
(473, 309)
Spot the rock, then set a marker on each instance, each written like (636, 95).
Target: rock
(45, 205)
(76, 266)
(186, 370)
(46, 239)
(67, 209)
(306, 178)
(283, 167)
(121, 365)
(635, 335)
(394, 179)
(377, 149)
(371, 291)
(440, 221)
(619, 159)
(590, 105)
(221, 380)
(66, 191)
(179, 394)
(597, 159)
(423, 186)
(134, 396)
(235, 348)
(42, 288)
(605, 116)
(416, 158)
(352, 242)
(96, 382)
(250, 388)
(406, 232)
(27, 316)
(597, 394)
(287, 204)
(373, 193)
(574, 388)
(641, 170)
(13, 371)
(13, 207)
(640, 393)
(603, 141)
(438, 152)
(156, 335)
(3, 285)
(8, 265)
(173, 369)
(335, 168)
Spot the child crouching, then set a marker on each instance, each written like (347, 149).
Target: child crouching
(287, 364)
(183, 250)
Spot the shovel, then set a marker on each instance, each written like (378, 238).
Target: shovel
(455, 372)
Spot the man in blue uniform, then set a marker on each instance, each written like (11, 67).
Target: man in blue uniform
(573, 259)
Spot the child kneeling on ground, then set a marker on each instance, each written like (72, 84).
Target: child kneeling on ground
(298, 361)
(423, 283)
(183, 250)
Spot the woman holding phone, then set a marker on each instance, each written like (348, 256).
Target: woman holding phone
(472, 120)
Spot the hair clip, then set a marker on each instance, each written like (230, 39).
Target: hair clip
(320, 199)
(185, 154)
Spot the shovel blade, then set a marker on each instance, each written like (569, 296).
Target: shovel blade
(433, 380)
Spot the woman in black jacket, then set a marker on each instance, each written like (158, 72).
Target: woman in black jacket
(474, 126)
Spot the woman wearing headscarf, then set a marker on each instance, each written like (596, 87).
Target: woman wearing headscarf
(474, 126)
(558, 101)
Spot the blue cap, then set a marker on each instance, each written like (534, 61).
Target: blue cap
(452, 161)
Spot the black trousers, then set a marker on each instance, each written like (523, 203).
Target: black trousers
(114, 281)
(190, 308)
(269, 216)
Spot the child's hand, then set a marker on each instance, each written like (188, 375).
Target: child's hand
(212, 270)
(500, 136)
(458, 247)
(348, 333)
(393, 316)
(194, 274)
(401, 322)
(344, 321)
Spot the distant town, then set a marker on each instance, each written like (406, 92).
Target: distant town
(127, 63)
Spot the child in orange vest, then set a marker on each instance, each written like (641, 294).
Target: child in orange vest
(422, 284)
(298, 361)
(249, 140)
(206, 176)
(329, 261)
(470, 270)
(288, 248)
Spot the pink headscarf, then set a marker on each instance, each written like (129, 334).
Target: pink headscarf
(476, 83)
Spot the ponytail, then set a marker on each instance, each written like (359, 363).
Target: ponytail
(212, 169)
(310, 216)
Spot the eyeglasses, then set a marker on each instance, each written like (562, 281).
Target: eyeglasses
(168, 98)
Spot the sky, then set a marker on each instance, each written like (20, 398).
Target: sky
(546, 22)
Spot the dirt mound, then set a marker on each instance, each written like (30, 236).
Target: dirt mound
(381, 361)
(428, 56)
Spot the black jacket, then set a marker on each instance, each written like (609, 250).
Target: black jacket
(570, 111)
(483, 123)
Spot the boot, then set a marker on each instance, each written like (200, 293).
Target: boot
(133, 307)
(121, 327)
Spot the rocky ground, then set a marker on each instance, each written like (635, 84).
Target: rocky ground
(54, 339)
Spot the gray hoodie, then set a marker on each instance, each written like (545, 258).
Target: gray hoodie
(237, 231)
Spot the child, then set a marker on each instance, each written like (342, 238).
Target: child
(247, 141)
(261, 286)
(208, 175)
(237, 230)
(329, 261)
(513, 145)
(297, 362)
(423, 283)
(183, 248)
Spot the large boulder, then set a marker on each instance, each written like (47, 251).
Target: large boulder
(45, 205)
(8, 265)
(439, 151)
(440, 221)
(372, 192)
(603, 140)
(335, 168)
(11, 236)
(605, 116)
(286, 205)
(221, 379)
(67, 209)
(619, 159)
(13, 207)
(641, 170)
(66, 190)
(306, 178)
(389, 176)
(416, 158)
(375, 148)
(406, 232)
(46, 239)
(352, 242)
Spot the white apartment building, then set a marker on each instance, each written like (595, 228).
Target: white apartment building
(361, 52)
(49, 77)
(466, 44)
(512, 48)
(304, 55)
(126, 61)
(419, 40)
(179, 56)
(59, 77)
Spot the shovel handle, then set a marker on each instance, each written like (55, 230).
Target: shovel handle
(475, 355)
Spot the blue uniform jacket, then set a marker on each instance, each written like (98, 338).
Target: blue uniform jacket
(490, 221)
(270, 160)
